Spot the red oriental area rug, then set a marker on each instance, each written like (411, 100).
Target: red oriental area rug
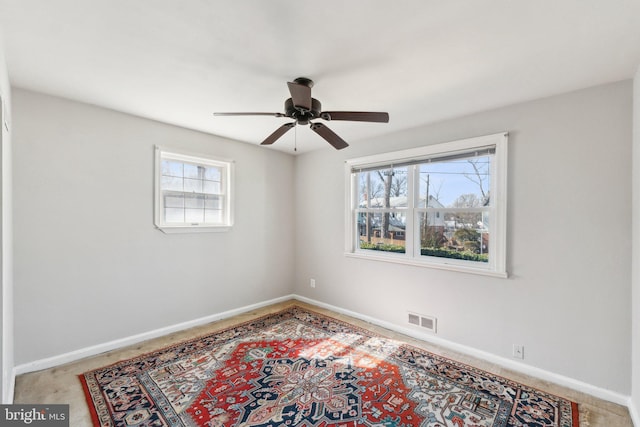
(300, 368)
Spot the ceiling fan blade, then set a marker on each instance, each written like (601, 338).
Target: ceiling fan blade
(250, 114)
(329, 135)
(356, 116)
(278, 133)
(301, 95)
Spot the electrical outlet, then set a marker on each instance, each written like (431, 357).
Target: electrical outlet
(518, 351)
(312, 283)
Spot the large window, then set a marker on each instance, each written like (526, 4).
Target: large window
(193, 193)
(442, 205)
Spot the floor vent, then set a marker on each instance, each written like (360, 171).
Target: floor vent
(426, 322)
(414, 319)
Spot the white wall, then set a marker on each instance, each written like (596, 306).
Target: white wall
(89, 265)
(635, 301)
(569, 244)
(6, 235)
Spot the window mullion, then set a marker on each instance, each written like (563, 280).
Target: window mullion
(410, 235)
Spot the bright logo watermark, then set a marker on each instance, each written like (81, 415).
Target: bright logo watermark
(34, 415)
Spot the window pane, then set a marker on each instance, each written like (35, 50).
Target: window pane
(193, 171)
(194, 215)
(383, 188)
(384, 231)
(174, 215)
(174, 201)
(433, 202)
(171, 183)
(457, 235)
(213, 216)
(212, 174)
(212, 202)
(192, 185)
(195, 201)
(211, 187)
(459, 183)
(171, 168)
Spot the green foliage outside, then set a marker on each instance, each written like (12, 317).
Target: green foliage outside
(386, 247)
(469, 238)
(450, 253)
(466, 234)
(437, 252)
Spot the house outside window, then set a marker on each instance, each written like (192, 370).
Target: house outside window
(192, 193)
(440, 206)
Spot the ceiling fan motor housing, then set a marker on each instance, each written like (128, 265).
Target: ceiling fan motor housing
(302, 115)
(302, 108)
(304, 82)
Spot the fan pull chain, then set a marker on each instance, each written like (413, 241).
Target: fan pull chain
(295, 138)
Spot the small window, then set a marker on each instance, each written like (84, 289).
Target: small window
(442, 206)
(192, 193)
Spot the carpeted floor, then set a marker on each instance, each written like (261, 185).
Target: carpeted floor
(382, 379)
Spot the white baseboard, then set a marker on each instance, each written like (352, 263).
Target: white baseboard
(9, 387)
(542, 374)
(507, 363)
(82, 353)
(633, 411)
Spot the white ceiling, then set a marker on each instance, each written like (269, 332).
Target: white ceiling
(420, 60)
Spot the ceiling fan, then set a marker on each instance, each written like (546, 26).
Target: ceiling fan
(302, 108)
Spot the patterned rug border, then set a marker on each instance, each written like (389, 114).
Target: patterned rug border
(208, 334)
(82, 377)
(289, 312)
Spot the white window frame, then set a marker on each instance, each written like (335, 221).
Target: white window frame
(227, 173)
(497, 212)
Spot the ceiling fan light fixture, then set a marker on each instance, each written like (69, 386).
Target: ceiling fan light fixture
(302, 115)
(302, 108)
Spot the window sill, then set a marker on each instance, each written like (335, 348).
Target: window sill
(426, 264)
(191, 229)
